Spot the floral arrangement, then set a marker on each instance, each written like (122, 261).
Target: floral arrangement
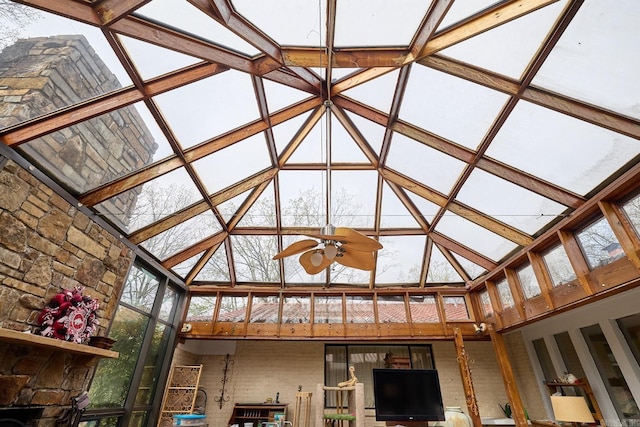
(69, 316)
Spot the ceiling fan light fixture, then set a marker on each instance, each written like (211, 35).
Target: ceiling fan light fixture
(316, 258)
(330, 251)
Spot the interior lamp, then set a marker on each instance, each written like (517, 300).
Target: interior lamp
(316, 258)
(330, 251)
(571, 409)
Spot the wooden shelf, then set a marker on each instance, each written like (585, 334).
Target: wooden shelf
(259, 412)
(22, 338)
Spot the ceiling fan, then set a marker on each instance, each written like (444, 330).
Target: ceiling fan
(343, 245)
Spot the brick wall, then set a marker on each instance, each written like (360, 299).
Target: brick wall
(260, 369)
(46, 245)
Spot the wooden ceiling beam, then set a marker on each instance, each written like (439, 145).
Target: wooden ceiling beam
(110, 11)
(79, 10)
(463, 251)
(429, 25)
(194, 250)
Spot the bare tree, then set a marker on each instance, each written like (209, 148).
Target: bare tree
(14, 17)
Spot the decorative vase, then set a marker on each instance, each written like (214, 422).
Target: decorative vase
(454, 417)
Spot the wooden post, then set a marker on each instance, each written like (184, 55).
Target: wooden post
(467, 381)
(517, 410)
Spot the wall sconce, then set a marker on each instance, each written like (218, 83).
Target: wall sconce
(480, 329)
(186, 328)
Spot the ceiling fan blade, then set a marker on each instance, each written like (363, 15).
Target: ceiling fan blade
(296, 248)
(358, 241)
(338, 237)
(357, 259)
(305, 262)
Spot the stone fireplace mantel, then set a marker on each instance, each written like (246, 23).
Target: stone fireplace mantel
(8, 335)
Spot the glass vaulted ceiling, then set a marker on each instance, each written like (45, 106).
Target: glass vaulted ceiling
(461, 129)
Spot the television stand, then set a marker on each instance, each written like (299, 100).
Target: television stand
(407, 423)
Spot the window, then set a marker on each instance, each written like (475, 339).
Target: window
(327, 309)
(296, 309)
(632, 209)
(505, 294)
(455, 308)
(423, 309)
(391, 309)
(544, 359)
(485, 304)
(528, 282)
(144, 326)
(264, 309)
(365, 358)
(558, 266)
(630, 327)
(201, 309)
(359, 309)
(599, 245)
(611, 374)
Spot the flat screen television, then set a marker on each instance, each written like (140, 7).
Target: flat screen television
(407, 395)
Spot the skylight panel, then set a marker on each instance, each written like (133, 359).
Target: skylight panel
(508, 48)
(462, 9)
(234, 163)
(394, 213)
(421, 163)
(400, 260)
(262, 212)
(378, 22)
(440, 269)
(289, 23)
(246, 249)
(474, 236)
(596, 58)
(146, 58)
(183, 269)
(284, 133)
(372, 132)
(153, 201)
(568, 152)
(203, 110)
(450, 107)
(507, 202)
(377, 92)
(471, 268)
(426, 208)
(343, 147)
(280, 96)
(216, 268)
(228, 208)
(301, 198)
(353, 198)
(190, 20)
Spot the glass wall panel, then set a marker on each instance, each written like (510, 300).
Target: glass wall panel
(264, 309)
(505, 294)
(232, 308)
(423, 309)
(391, 309)
(528, 282)
(630, 327)
(153, 365)
(611, 374)
(455, 308)
(296, 309)
(558, 265)
(140, 289)
(201, 308)
(327, 309)
(359, 309)
(632, 210)
(599, 244)
(546, 364)
(485, 304)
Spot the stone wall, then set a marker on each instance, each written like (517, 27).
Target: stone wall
(44, 74)
(46, 244)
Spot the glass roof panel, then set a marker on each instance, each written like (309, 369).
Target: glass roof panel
(145, 58)
(542, 142)
(183, 269)
(77, 66)
(182, 235)
(190, 20)
(450, 107)
(275, 18)
(473, 236)
(353, 201)
(262, 212)
(462, 9)
(232, 164)
(91, 153)
(378, 22)
(371, 131)
(228, 208)
(312, 148)
(246, 249)
(427, 209)
(440, 269)
(151, 201)
(495, 197)
(201, 110)
(377, 92)
(430, 167)
(508, 48)
(280, 96)
(301, 198)
(471, 268)
(394, 213)
(400, 261)
(217, 268)
(343, 147)
(284, 132)
(594, 53)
